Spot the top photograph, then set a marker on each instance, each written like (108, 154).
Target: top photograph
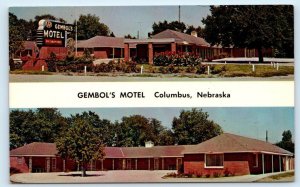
(151, 43)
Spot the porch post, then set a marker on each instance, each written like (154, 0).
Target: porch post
(263, 163)
(173, 47)
(150, 53)
(113, 164)
(64, 165)
(148, 163)
(245, 51)
(272, 165)
(286, 163)
(30, 164)
(121, 52)
(113, 55)
(162, 163)
(135, 163)
(126, 52)
(102, 164)
(279, 163)
(91, 165)
(48, 164)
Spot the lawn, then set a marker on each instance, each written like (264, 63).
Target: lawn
(216, 70)
(228, 70)
(288, 176)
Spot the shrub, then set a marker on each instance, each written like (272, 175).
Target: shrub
(226, 172)
(180, 169)
(51, 62)
(199, 175)
(200, 69)
(217, 69)
(207, 175)
(11, 65)
(151, 69)
(176, 58)
(216, 174)
(190, 69)
(163, 70)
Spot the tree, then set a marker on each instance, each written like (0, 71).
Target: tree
(129, 36)
(89, 26)
(166, 137)
(253, 26)
(287, 142)
(193, 127)
(112, 34)
(174, 25)
(191, 28)
(104, 128)
(41, 125)
(81, 144)
(135, 130)
(21, 128)
(15, 35)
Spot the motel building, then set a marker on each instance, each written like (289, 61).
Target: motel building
(231, 153)
(109, 48)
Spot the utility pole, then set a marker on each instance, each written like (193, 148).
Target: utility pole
(179, 13)
(75, 37)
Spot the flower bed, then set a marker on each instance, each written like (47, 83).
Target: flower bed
(177, 59)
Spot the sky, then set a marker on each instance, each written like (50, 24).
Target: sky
(122, 20)
(245, 121)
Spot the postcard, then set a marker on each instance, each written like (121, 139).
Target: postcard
(151, 94)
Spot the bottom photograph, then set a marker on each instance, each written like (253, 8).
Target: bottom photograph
(152, 145)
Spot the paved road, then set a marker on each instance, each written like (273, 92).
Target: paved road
(65, 78)
(119, 176)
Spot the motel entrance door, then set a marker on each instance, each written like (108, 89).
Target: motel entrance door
(128, 164)
(156, 163)
(178, 163)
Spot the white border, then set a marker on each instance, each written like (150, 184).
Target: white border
(4, 4)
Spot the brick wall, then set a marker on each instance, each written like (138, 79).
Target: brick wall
(236, 164)
(18, 165)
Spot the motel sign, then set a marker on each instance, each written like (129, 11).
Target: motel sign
(53, 33)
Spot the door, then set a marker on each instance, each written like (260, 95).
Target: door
(156, 163)
(128, 164)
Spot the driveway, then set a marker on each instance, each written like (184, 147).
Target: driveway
(121, 176)
(159, 78)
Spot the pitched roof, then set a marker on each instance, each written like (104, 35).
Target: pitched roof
(226, 143)
(102, 41)
(35, 148)
(181, 37)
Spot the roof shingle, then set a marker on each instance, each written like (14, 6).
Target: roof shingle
(181, 37)
(224, 143)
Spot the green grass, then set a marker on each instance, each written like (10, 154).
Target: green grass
(282, 175)
(235, 70)
(231, 70)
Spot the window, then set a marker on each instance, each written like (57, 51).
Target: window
(214, 160)
(20, 160)
(53, 164)
(255, 160)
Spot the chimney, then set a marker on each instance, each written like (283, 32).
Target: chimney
(267, 136)
(149, 144)
(194, 33)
